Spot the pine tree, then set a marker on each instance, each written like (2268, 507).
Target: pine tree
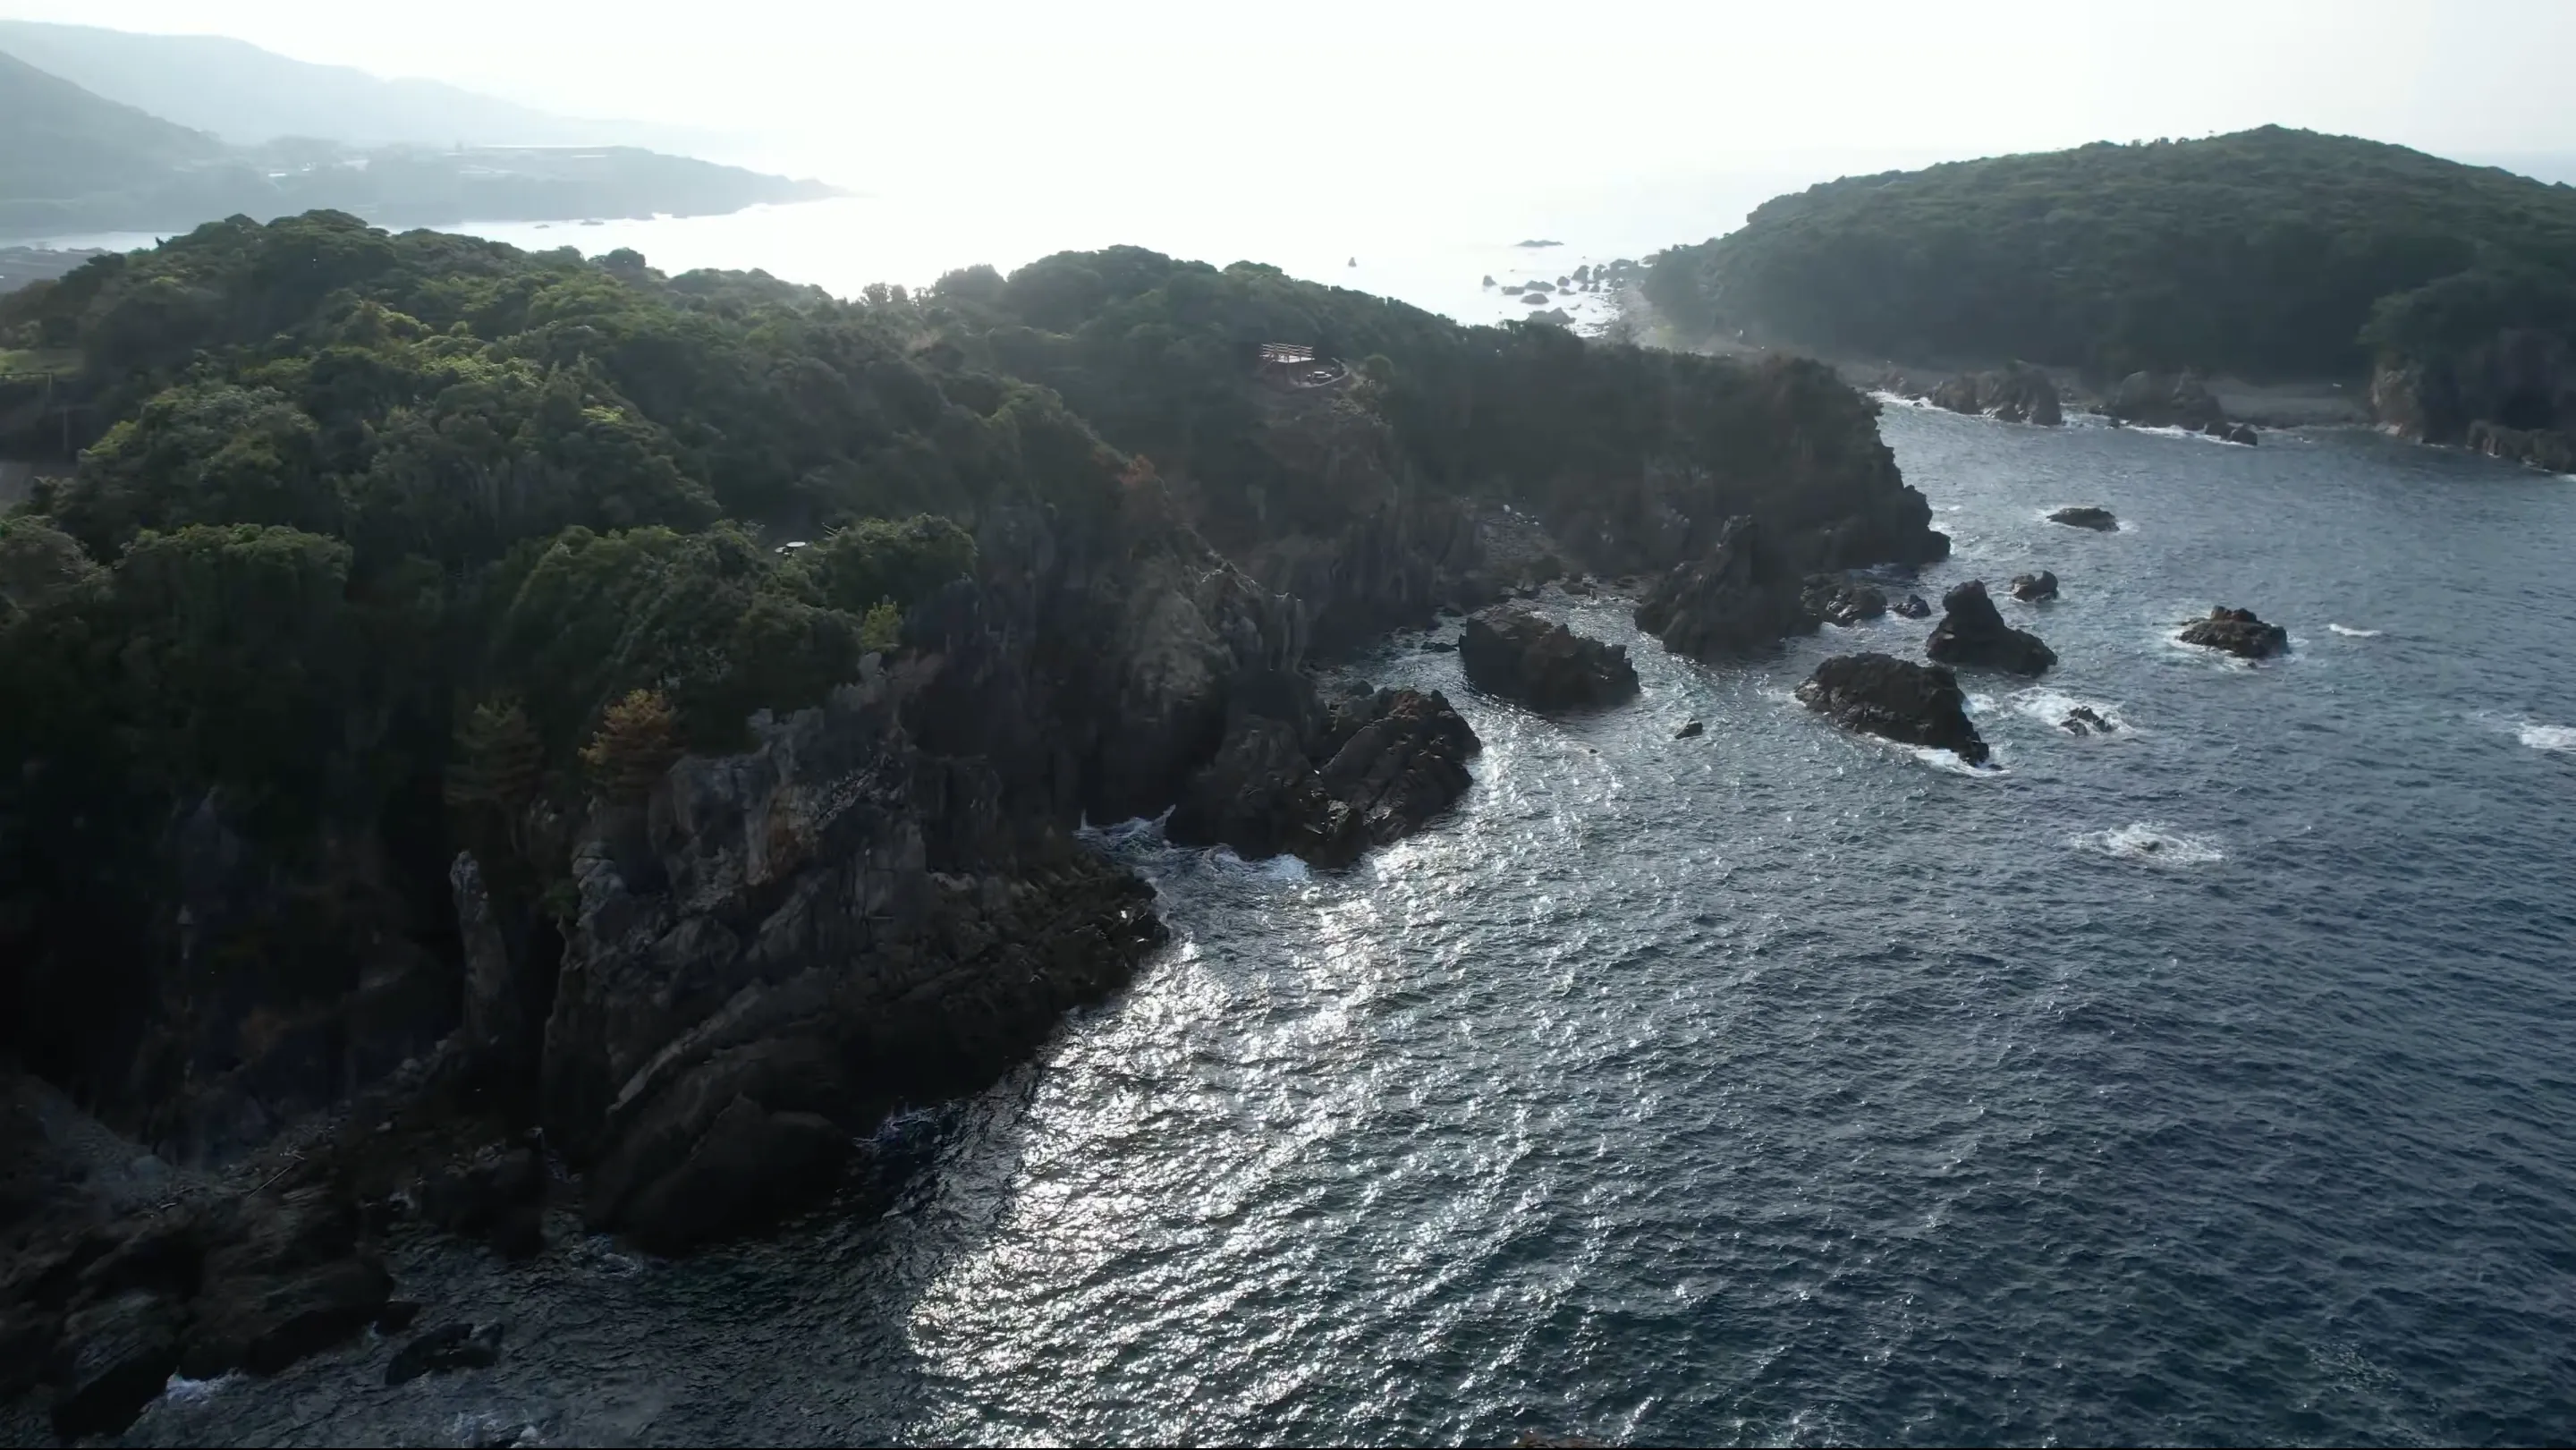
(637, 741)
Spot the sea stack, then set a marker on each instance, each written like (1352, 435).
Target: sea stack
(1521, 655)
(1897, 699)
(1973, 633)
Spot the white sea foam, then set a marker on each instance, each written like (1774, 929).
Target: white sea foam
(2349, 632)
(2556, 739)
(2151, 844)
(2051, 707)
(1949, 763)
(181, 1390)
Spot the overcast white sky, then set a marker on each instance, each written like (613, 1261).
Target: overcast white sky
(1022, 87)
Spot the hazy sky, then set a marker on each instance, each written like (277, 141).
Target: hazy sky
(1388, 91)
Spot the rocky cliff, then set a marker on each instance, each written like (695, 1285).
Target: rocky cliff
(2512, 396)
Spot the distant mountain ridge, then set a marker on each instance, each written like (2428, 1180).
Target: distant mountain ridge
(247, 96)
(76, 163)
(62, 140)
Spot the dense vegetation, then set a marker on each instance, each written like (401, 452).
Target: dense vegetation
(387, 544)
(2267, 253)
(77, 162)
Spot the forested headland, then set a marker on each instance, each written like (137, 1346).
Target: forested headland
(2267, 254)
(659, 709)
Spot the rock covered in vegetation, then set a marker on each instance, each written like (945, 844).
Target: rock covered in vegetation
(2087, 516)
(2030, 588)
(1739, 599)
(1898, 699)
(2018, 393)
(1972, 632)
(1839, 599)
(2238, 632)
(1522, 655)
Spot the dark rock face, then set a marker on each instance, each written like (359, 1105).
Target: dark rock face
(443, 1350)
(115, 1357)
(255, 1282)
(2235, 433)
(1836, 599)
(1281, 784)
(2035, 587)
(2017, 394)
(2164, 400)
(495, 1197)
(2544, 449)
(1524, 656)
(2086, 516)
(2512, 395)
(1898, 699)
(1403, 761)
(1691, 731)
(1739, 599)
(821, 928)
(1912, 607)
(2238, 632)
(1972, 632)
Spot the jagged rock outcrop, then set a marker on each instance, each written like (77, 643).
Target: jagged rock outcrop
(107, 1314)
(1972, 632)
(2512, 396)
(1524, 656)
(1741, 598)
(2164, 400)
(1281, 784)
(1898, 699)
(784, 944)
(2018, 393)
(2238, 632)
(2031, 588)
(1837, 599)
(2086, 516)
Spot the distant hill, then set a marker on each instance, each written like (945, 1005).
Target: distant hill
(74, 162)
(2266, 252)
(247, 95)
(64, 141)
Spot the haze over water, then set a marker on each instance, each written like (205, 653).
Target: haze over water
(2203, 1083)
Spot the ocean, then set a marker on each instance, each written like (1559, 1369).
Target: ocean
(2208, 1081)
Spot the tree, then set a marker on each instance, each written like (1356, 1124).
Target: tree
(637, 743)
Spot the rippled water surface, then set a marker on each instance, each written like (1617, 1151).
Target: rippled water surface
(2208, 1082)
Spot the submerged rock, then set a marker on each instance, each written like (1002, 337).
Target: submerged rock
(2086, 516)
(443, 1350)
(2031, 588)
(1523, 656)
(2238, 632)
(1972, 632)
(2085, 720)
(1897, 699)
(1690, 731)
(1912, 607)
(1839, 600)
